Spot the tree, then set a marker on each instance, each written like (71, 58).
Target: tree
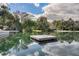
(57, 24)
(7, 17)
(71, 24)
(68, 25)
(76, 25)
(42, 23)
(28, 25)
(16, 24)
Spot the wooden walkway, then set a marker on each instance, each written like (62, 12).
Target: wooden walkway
(43, 38)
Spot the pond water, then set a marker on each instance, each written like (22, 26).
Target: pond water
(48, 49)
(20, 45)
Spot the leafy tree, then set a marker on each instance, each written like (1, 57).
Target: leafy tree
(68, 25)
(7, 17)
(57, 24)
(28, 25)
(76, 25)
(17, 24)
(42, 23)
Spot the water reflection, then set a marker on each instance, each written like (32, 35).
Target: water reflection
(68, 36)
(18, 41)
(34, 49)
(21, 45)
(52, 49)
(62, 49)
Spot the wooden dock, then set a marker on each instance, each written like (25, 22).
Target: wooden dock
(44, 38)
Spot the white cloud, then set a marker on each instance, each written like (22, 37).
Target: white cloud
(36, 4)
(62, 10)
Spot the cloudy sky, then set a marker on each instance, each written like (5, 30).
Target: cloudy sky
(52, 11)
(62, 10)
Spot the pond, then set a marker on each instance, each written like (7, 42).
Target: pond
(49, 49)
(21, 45)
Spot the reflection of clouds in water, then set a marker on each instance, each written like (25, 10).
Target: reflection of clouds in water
(54, 48)
(34, 49)
(62, 49)
(36, 53)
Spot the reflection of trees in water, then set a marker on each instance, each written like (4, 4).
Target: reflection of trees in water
(17, 41)
(68, 36)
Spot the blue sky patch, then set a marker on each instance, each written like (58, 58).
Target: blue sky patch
(27, 7)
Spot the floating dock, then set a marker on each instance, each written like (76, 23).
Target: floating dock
(44, 38)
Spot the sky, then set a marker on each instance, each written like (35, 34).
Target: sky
(52, 11)
(58, 11)
(35, 8)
